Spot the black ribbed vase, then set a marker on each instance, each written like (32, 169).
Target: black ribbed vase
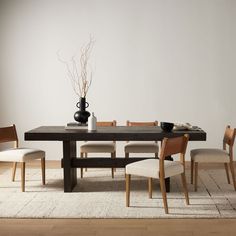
(82, 115)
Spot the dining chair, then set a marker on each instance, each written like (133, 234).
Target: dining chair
(141, 147)
(214, 155)
(19, 155)
(99, 147)
(161, 168)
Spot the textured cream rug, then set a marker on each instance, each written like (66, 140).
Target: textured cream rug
(100, 196)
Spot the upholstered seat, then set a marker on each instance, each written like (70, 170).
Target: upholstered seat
(213, 155)
(151, 168)
(98, 147)
(161, 168)
(141, 147)
(21, 154)
(210, 155)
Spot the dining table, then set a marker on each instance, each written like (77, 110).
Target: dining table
(69, 138)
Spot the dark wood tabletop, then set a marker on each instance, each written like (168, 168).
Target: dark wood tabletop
(118, 133)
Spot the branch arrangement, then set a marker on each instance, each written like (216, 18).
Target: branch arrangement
(80, 81)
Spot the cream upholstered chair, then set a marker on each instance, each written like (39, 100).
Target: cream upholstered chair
(19, 155)
(99, 147)
(213, 155)
(141, 147)
(161, 168)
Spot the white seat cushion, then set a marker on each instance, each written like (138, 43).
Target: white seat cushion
(210, 155)
(141, 147)
(150, 168)
(97, 147)
(21, 154)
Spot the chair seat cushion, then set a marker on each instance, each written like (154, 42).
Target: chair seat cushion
(150, 168)
(210, 155)
(141, 147)
(97, 147)
(21, 154)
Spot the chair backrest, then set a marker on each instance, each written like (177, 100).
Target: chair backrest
(106, 123)
(8, 134)
(131, 123)
(172, 146)
(229, 136)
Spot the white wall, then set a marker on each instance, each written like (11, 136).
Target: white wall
(169, 60)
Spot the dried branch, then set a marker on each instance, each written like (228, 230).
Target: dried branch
(81, 82)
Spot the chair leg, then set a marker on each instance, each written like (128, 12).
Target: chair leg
(126, 155)
(81, 169)
(22, 176)
(14, 170)
(163, 191)
(127, 184)
(112, 169)
(233, 174)
(195, 176)
(183, 178)
(43, 169)
(192, 166)
(150, 187)
(227, 172)
(156, 155)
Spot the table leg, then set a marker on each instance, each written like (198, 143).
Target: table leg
(167, 183)
(70, 174)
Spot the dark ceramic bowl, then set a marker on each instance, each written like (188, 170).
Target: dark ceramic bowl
(166, 126)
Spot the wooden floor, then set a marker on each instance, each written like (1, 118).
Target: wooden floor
(114, 227)
(101, 227)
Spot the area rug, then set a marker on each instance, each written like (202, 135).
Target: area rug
(97, 195)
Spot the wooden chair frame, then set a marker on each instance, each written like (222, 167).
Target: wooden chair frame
(9, 134)
(228, 140)
(141, 123)
(170, 147)
(113, 154)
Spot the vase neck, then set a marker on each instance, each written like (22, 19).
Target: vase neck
(82, 103)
